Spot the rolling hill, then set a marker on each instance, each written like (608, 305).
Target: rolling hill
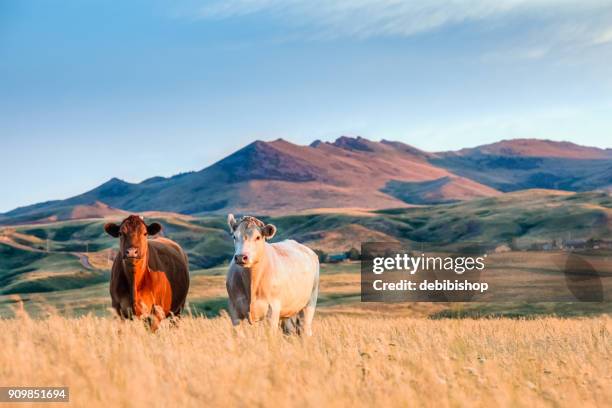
(280, 177)
(519, 218)
(64, 265)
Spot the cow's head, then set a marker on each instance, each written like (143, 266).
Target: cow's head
(132, 234)
(249, 235)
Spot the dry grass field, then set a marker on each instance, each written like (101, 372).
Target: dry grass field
(350, 361)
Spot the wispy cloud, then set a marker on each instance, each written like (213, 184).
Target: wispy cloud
(364, 18)
(604, 37)
(539, 25)
(367, 18)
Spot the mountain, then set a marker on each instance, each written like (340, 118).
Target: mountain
(53, 211)
(281, 177)
(520, 164)
(539, 148)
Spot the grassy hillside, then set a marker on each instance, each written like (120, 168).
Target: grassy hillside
(66, 264)
(24, 271)
(528, 216)
(531, 215)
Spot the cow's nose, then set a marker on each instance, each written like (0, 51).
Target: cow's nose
(241, 259)
(131, 253)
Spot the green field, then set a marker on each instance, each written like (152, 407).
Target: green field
(65, 265)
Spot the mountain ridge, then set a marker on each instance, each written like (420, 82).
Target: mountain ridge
(281, 177)
(539, 148)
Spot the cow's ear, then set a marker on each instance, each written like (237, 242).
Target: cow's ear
(268, 231)
(112, 229)
(154, 228)
(231, 221)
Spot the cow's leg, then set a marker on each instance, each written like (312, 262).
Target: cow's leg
(274, 314)
(175, 317)
(288, 325)
(159, 313)
(308, 316)
(174, 320)
(125, 308)
(236, 316)
(309, 311)
(153, 319)
(299, 322)
(233, 313)
(151, 322)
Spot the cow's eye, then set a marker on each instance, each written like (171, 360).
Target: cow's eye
(258, 238)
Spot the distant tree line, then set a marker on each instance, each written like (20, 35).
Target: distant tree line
(352, 254)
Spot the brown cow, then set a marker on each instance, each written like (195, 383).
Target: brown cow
(150, 278)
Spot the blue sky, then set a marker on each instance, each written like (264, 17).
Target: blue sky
(91, 90)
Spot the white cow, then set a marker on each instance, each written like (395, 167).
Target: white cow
(277, 281)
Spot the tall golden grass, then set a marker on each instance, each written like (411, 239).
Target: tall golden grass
(350, 361)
